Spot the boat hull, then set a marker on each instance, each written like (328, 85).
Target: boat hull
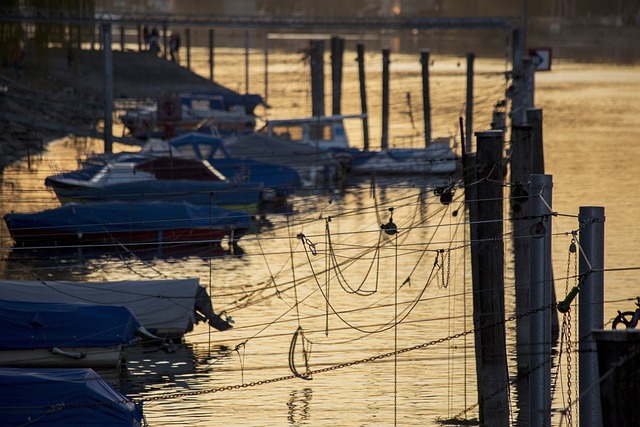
(116, 223)
(246, 198)
(64, 357)
(27, 236)
(406, 162)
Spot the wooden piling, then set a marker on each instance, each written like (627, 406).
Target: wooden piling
(337, 50)
(534, 118)
(211, 44)
(316, 52)
(266, 68)
(487, 252)
(108, 88)
(591, 313)
(540, 300)
(246, 61)
(165, 40)
(384, 142)
(469, 108)
(426, 101)
(520, 204)
(363, 96)
(187, 36)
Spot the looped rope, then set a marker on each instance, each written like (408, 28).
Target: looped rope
(309, 243)
(305, 354)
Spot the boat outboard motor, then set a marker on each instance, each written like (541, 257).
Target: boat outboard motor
(205, 310)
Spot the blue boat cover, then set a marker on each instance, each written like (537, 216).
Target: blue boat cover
(63, 397)
(29, 325)
(244, 169)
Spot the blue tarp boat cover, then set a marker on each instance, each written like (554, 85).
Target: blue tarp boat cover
(63, 397)
(160, 305)
(29, 325)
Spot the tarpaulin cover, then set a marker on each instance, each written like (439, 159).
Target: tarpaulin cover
(29, 325)
(63, 397)
(157, 304)
(120, 216)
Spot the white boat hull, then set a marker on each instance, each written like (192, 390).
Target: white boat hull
(431, 161)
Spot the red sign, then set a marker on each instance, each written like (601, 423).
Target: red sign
(169, 108)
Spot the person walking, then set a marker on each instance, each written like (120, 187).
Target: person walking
(154, 41)
(174, 47)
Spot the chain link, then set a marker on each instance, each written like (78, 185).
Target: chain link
(568, 323)
(349, 364)
(315, 371)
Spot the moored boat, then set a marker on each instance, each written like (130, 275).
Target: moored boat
(116, 222)
(132, 177)
(244, 165)
(166, 308)
(435, 159)
(65, 334)
(329, 133)
(45, 396)
(172, 115)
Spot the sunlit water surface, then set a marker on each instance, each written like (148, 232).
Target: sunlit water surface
(275, 287)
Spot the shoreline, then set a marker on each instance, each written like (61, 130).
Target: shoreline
(67, 96)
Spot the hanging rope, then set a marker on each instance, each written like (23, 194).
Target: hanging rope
(306, 350)
(335, 265)
(384, 327)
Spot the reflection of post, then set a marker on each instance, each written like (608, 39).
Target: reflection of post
(299, 406)
(108, 88)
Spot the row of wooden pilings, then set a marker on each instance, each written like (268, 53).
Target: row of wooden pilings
(531, 214)
(316, 54)
(536, 328)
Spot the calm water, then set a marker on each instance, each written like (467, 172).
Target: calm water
(275, 285)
